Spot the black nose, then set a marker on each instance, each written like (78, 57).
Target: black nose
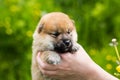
(67, 42)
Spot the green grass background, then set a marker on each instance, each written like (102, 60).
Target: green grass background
(97, 22)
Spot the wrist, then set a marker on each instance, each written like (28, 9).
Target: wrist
(97, 73)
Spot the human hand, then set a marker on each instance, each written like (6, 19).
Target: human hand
(71, 66)
(77, 66)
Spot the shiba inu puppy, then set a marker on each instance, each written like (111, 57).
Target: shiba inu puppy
(54, 35)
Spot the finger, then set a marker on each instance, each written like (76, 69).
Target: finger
(48, 73)
(52, 74)
(45, 66)
(66, 56)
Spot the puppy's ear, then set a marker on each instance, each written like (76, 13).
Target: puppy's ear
(40, 27)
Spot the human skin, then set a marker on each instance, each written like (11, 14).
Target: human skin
(77, 66)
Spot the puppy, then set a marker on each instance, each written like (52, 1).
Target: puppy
(54, 35)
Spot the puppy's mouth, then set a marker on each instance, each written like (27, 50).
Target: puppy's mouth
(63, 46)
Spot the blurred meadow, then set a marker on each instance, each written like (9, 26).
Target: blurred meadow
(97, 22)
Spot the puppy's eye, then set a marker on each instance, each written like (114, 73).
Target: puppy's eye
(55, 34)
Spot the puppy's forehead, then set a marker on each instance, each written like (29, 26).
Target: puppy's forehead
(57, 22)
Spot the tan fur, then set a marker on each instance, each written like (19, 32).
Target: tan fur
(43, 40)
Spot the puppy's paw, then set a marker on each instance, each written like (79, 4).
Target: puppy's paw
(75, 47)
(51, 57)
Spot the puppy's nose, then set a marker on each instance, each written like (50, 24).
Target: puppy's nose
(67, 42)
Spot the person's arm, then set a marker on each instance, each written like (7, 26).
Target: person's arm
(78, 66)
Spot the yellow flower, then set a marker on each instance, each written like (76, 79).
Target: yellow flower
(109, 66)
(118, 68)
(108, 57)
(29, 33)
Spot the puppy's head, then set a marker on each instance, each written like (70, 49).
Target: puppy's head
(57, 28)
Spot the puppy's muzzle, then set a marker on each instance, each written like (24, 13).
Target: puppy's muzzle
(67, 42)
(63, 46)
